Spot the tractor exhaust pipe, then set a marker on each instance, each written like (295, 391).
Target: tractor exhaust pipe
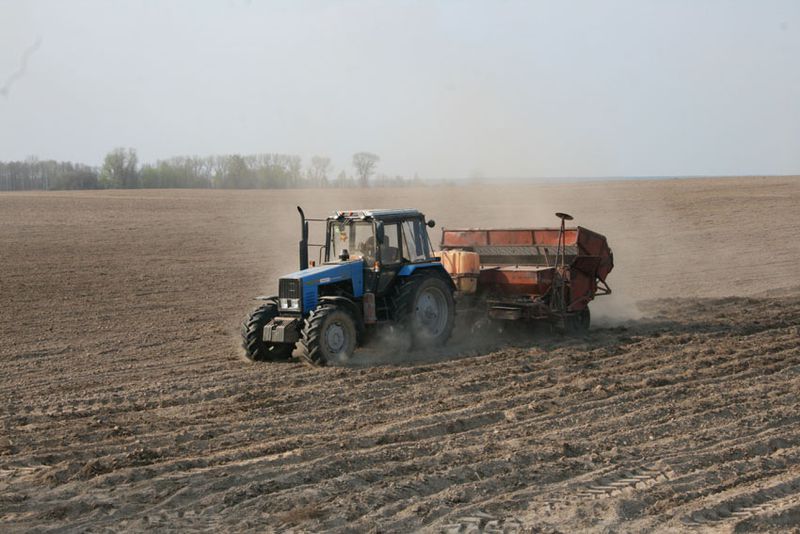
(303, 240)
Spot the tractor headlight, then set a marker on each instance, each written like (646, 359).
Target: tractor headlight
(290, 304)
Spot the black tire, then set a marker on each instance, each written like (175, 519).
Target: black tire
(421, 301)
(577, 324)
(329, 335)
(255, 348)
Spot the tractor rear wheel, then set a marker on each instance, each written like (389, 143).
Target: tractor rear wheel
(329, 335)
(255, 348)
(425, 307)
(577, 324)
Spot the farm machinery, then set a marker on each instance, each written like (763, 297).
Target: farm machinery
(377, 268)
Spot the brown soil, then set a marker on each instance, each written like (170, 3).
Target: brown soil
(125, 404)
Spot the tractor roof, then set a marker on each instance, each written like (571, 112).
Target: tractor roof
(382, 214)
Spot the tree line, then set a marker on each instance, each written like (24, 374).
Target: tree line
(121, 170)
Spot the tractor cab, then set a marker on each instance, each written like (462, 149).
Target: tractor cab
(384, 240)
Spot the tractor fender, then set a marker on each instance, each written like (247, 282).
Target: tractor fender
(408, 269)
(349, 305)
(411, 268)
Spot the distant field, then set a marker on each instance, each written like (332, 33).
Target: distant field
(125, 405)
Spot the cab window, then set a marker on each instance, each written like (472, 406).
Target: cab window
(358, 238)
(415, 243)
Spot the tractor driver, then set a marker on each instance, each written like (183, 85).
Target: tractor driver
(367, 249)
(389, 254)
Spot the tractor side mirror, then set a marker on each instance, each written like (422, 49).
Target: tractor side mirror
(379, 232)
(431, 223)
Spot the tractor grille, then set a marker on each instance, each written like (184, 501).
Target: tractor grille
(289, 288)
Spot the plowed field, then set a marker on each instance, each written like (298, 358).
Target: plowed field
(125, 404)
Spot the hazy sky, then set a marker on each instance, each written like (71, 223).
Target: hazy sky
(446, 89)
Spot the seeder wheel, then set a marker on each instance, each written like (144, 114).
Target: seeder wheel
(576, 324)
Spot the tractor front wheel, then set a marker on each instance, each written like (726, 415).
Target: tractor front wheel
(255, 348)
(329, 335)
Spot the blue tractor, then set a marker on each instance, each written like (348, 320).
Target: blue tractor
(376, 267)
